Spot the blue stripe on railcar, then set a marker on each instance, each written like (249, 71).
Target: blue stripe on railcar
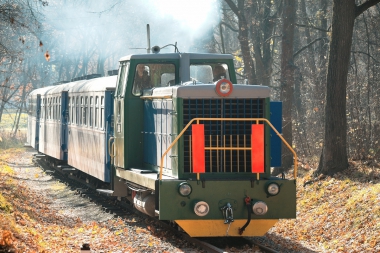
(275, 141)
(64, 124)
(108, 112)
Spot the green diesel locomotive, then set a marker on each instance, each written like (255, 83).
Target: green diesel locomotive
(176, 136)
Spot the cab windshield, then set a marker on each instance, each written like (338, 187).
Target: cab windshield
(209, 73)
(148, 76)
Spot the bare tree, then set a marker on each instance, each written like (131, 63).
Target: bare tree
(287, 76)
(249, 68)
(334, 156)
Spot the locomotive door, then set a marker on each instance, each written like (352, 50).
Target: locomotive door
(119, 101)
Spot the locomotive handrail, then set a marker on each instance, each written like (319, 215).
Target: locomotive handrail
(111, 150)
(229, 119)
(156, 97)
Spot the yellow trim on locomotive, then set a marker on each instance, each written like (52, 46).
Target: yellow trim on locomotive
(216, 228)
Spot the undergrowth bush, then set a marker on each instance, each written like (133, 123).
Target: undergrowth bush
(9, 140)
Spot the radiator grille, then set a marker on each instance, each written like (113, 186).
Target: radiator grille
(222, 133)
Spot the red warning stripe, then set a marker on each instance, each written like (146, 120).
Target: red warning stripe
(198, 148)
(257, 143)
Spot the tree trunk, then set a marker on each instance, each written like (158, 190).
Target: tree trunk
(268, 28)
(320, 89)
(22, 105)
(261, 30)
(249, 69)
(310, 56)
(334, 153)
(287, 78)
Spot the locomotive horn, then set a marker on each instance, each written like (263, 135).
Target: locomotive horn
(156, 49)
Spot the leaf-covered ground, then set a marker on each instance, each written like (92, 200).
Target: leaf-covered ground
(334, 214)
(38, 221)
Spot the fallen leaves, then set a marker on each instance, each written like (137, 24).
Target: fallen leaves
(339, 214)
(6, 238)
(35, 225)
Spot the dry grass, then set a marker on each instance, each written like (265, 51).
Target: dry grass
(8, 138)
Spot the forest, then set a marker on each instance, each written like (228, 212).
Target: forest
(321, 58)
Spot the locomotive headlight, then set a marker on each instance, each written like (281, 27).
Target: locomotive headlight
(260, 208)
(184, 189)
(201, 208)
(273, 189)
(224, 87)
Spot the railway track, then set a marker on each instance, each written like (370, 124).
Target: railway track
(122, 208)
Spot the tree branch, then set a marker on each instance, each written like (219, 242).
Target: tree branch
(308, 45)
(229, 26)
(360, 52)
(314, 27)
(364, 6)
(234, 8)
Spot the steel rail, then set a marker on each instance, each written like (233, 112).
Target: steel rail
(265, 248)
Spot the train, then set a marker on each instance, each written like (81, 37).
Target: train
(174, 138)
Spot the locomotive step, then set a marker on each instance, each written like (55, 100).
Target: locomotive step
(142, 171)
(65, 168)
(105, 192)
(68, 169)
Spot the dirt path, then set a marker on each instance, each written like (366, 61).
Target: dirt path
(51, 217)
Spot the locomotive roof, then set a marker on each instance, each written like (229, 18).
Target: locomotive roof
(195, 56)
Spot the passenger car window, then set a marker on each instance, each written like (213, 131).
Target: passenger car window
(85, 111)
(91, 111)
(77, 110)
(59, 109)
(101, 111)
(69, 103)
(96, 110)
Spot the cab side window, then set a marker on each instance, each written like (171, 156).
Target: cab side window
(122, 79)
(142, 79)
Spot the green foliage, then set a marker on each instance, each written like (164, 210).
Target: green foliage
(4, 205)
(7, 140)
